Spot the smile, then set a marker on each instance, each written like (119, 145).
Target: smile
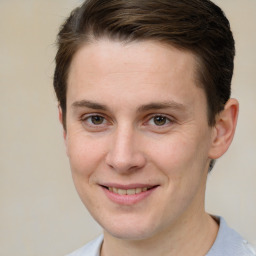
(132, 191)
(128, 194)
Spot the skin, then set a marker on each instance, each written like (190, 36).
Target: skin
(135, 115)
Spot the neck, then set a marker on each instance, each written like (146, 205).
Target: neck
(194, 236)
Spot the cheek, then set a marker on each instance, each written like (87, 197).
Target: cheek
(84, 155)
(180, 154)
(85, 158)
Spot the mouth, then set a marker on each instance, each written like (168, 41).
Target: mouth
(128, 194)
(130, 191)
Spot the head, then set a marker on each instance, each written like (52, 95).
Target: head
(144, 88)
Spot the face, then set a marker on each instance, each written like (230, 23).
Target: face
(137, 136)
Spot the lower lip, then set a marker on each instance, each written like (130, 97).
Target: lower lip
(128, 199)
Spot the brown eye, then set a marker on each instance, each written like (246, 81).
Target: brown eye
(160, 120)
(97, 120)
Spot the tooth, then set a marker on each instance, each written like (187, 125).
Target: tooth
(138, 190)
(121, 191)
(131, 191)
(128, 191)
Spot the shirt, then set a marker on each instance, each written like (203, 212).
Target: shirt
(228, 243)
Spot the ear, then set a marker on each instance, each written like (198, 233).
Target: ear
(61, 121)
(224, 129)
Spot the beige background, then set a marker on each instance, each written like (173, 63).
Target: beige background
(40, 212)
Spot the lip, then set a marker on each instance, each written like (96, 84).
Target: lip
(128, 186)
(128, 199)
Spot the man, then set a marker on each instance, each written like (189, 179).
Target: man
(144, 100)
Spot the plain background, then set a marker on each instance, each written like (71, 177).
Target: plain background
(40, 212)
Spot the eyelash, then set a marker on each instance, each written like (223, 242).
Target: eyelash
(167, 120)
(87, 120)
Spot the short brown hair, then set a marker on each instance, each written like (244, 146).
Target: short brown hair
(195, 25)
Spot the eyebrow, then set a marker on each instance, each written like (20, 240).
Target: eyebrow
(161, 105)
(142, 108)
(89, 104)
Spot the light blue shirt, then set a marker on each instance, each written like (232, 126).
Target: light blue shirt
(227, 243)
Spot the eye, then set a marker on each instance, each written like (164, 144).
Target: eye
(97, 120)
(159, 120)
(93, 121)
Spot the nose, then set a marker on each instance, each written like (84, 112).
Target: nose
(124, 153)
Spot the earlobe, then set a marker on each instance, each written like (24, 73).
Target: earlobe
(224, 129)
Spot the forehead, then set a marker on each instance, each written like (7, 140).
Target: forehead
(133, 56)
(144, 69)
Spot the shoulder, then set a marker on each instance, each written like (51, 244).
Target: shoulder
(230, 243)
(90, 249)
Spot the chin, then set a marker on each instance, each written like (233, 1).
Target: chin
(130, 230)
(130, 234)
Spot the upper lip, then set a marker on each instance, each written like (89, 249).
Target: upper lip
(128, 186)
